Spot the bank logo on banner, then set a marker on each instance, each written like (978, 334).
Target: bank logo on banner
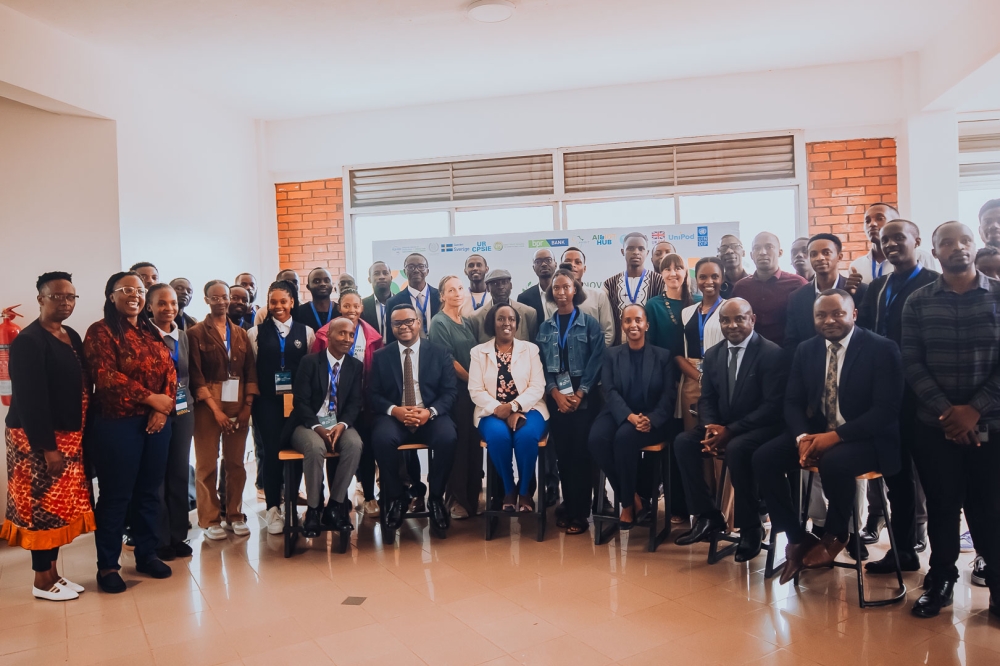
(549, 242)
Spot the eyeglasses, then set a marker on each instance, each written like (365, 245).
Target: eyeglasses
(416, 267)
(404, 323)
(132, 291)
(62, 298)
(735, 247)
(218, 299)
(544, 260)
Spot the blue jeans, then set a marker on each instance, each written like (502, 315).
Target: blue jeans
(503, 445)
(131, 466)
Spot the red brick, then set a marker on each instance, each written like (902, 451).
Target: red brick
(888, 143)
(888, 161)
(848, 155)
(848, 173)
(828, 147)
(280, 195)
(335, 183)
(299, 195)
(289, 218)
(299, 241)
(846, 210)
(325, 208)
(861, 183)
(847, 191)
(819, 229)
(314, 232)
(857, 236)
(292, 233)
(818, 157)
(866, 200)
(833, 183)
(829, 166)
(305, 256)
(313, 185)
(861, 164)
(282, 226)
(300, 225)
(830, 201)
(314, 216)
(864, 144)
(829, 219)
(856, 247)
(841, 229)
(338, 194)
(881, 152)
(817, 212)
(321, 201)
(297, 210)
(881, 189)
(881, 171)
(286, 187)
(888, 180)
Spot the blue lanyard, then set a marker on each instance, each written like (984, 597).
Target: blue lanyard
(702, 320)
(331, 405)
(638, 286)
(481, 301)
(229, 353)
(889, 297)
(175, 353)
(281, 343)
(423, 309)
(564, 338)
(329, 314)
(355, 343)
(881, 268)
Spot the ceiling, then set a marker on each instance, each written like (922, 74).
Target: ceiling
(275, 59)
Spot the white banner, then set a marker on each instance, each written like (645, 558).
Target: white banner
(515, 252)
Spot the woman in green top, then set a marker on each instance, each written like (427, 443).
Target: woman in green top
(664, 311)
(454, 332)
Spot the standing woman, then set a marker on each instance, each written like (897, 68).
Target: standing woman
(454, 332)
(664, 312)
(135, 387)
(48, 495)
(572, 349)
(279, 343)
(164, 304)
(701, 331)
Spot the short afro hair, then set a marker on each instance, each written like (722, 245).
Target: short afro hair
(52, 276)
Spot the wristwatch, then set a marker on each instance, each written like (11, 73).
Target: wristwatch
(515, 407)
(434, 413)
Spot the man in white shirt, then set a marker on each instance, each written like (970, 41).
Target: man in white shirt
(479, 299)
(874, 264)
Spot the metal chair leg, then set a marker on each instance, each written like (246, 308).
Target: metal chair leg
(655, 507)
(540, 508)
(490, 475)
(859, 566)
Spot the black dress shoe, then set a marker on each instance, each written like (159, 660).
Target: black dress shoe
(751, 540)
(181, 549)
(440, 516)
(154, 567)
(111, 583)
(928, 581)
(873, 529)
(311, 526)
(337, 515)
(704, 527)
(852, 547)
(644, 517)
(608, 510)
(887, 565)
(394, 513)
(165, 553)
(940, 595)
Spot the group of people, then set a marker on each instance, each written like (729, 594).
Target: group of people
(881, 366)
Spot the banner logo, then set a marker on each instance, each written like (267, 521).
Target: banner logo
(702, 236)
(601, 239)
(658, 236)
(481, 246)
(498, 246)
(549, 242)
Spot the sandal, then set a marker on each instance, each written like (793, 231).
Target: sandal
(510, 502)
(577, 528)
(525, 504)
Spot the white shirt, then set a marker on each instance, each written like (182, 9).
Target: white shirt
(739, 357)
(863, 265)
(841, 355)
(360, 344)
(174, 333)
(415, 361)
(283, 328)
(325, 407)
(469, 308)
(382, 316)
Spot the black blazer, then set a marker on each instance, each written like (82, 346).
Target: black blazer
(872, 313)
(760, 387)
(870, 393)
(533, 298)
(370, 316)
(311, 389)
(799, 324)
(47, 383)
(435, 372)
(403, 298)
(657, 380)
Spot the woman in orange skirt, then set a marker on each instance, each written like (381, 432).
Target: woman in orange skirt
(48, 495)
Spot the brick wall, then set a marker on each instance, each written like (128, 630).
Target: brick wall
(845, 177)
(311, 227)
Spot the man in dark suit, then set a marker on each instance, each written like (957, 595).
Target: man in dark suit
(375, 308)
(413, 386)
(742, 389)
(326, 408)
(544, 266)
(825, 252)
(842, 406)
(420, 296)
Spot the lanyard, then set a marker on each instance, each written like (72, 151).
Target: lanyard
(564, 338)
(331, 405)
(229, 353)
(890, 298)
(281, 343)
(175, 353)
(881, 267)
(329, 314)
(481, 300)
(628, 292)
(702, 320)
(423, 309)
(355, 343)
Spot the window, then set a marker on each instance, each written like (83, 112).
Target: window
(626, 213)
(763, 210)
(371, 228)
(510, 220)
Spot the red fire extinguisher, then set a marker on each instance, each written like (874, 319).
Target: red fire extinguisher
(8, 331)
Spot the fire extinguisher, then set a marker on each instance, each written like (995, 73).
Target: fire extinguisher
(8, 331)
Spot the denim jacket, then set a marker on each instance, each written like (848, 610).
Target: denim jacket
(585, 350)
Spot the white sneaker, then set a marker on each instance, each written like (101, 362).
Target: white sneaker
(240, 528)
(56, 593)
(71, 585)
(371, 508)
(215, 533)
(275, 522)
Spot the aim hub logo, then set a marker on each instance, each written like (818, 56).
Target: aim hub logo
(601, 239)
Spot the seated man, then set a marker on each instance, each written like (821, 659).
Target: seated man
(842, 405)
(742, 389)
(413, 386)
(327, 406)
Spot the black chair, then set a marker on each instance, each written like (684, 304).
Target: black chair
(409, 514)
(857, 565)
(292, 462)
(493, 516)
(660, 458)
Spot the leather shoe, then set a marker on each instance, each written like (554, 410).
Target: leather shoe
(940, 595)
(706, 525)
(394, 514)
(440, 516)
(928, 581)
(337, 515)
(111, 583)
(794, 552)
(823, 554)
(165, 553)
(873, 529)
(154, 567)
(887, 565)
(182, 549)
(851, 547)
(749, 546)
(311, 526)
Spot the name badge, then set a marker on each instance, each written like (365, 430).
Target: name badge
(564, 383)
(283, 382)
(181, 404)
(231, 390)
(328, 421)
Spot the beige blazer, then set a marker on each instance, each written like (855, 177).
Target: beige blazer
(525, 368)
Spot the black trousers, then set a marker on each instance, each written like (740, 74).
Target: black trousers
(954, 477)
(776, 466)
(41, 560)
(366, 468)
(465, 483)
(617, 450)
(388, 435)
(269, 416)
(902, 487)
(568, 434)
(739, 458)
(173, 527)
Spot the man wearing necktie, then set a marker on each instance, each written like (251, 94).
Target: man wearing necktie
(420, 296)
(842, 407)
(742, 392)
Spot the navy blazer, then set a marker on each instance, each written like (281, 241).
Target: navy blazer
(312, 387)
(760, 387)
(870, 393)
(533, 299)
(436, 374)
(403, 298)
(799, 324)
(657, 380)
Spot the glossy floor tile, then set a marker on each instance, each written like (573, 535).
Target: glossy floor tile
(463, 601)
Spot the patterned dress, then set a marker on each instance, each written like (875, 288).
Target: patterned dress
(506, 389)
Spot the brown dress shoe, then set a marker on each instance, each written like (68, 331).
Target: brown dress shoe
(794, 552)
(824, 553)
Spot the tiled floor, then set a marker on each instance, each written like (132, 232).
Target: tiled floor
(464, 601)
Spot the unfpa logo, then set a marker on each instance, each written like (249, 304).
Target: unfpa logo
(601, 239)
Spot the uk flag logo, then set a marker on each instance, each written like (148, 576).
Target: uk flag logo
(659, 235)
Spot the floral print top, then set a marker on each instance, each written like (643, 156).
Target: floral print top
(506, 390)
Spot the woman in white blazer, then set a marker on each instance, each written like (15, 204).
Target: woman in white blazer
(507, 385)
(701, 332)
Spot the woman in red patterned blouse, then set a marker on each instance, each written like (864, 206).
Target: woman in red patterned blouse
(135, 390)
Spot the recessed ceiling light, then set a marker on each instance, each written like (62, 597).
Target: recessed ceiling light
(491, 11)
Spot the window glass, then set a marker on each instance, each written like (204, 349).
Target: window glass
(629, 213)
(371, 228)
(509, 220)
